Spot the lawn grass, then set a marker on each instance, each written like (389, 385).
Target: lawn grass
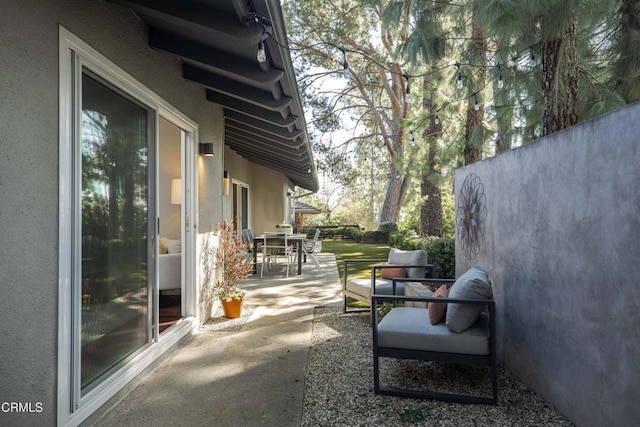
(348, 249)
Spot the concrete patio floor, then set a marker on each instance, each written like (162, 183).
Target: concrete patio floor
(248, 375)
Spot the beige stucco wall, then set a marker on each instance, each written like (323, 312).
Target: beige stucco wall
(269, 198)
(267, 192)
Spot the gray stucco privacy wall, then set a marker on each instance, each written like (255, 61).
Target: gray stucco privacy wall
(562, 248)
(29, 173)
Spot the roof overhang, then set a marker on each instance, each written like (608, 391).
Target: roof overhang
(217, 44)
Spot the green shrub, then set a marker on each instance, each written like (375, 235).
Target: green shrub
(375, 237)
(355, 234)
(402, 239)
(441, 250)
(388, 227)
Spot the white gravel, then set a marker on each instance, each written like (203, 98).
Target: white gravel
(339, 385)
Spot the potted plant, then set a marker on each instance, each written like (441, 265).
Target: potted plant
(234, 264)
(284, 228)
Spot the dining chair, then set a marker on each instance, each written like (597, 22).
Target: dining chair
(309, 247)
(276, 245)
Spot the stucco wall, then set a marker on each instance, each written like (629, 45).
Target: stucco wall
(267, 192)
(561, 246)
(29, 173)
(268, 198)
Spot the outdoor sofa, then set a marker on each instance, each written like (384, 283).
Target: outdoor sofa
(458, 328)
(399, 264)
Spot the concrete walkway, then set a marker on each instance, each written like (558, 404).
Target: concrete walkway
(250, 373)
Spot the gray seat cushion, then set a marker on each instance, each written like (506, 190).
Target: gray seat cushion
(474, 284)
(417, 257)
(383, 287)
(410, 328)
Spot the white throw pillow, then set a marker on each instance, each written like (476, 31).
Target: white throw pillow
(173, 246)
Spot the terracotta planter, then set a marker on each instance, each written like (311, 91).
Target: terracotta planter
(232, 309)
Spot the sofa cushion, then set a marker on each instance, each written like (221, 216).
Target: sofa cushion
(473, 284)
(162, 248)
(392, 272)
(410, 328)
(417, 257)
(437, 310)
(173, 246)
(413, 289)
(383, 287)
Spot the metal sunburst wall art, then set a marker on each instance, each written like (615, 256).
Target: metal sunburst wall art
(471, 215)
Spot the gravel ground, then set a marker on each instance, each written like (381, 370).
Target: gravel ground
(339, 385)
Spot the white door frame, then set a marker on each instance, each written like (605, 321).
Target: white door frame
(73, 52)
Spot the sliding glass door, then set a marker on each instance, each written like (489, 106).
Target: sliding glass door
(116, 140)
(111, 211)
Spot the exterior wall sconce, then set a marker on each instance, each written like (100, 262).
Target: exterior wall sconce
(206, 149)
(225, 183)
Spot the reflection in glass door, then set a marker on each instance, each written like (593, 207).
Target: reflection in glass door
(114, 247)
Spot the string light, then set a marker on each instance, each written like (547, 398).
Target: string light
(345, 64)
(407, 97)
(459, 85)
(262, 55)
(266, 32)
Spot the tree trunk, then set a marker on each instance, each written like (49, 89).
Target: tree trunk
(473, 150)
(560, 81)
(396, 191)
(504, 116)
(431, 208)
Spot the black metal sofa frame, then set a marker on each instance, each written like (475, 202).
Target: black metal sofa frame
(441, 357)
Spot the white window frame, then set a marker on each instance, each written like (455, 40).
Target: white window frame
(240, 184)
(73, 54)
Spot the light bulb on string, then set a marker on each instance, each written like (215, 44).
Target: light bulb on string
(262, 55)
(345, 65)
(345, 70)
(500, 82)
(407, 97)
(459, 81)
(476, 105)
(436, 120)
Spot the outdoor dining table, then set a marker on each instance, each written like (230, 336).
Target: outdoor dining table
(298, 238)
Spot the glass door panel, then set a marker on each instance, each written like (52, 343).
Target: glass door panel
(245, 207)
(172, 224)
(114, 317)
